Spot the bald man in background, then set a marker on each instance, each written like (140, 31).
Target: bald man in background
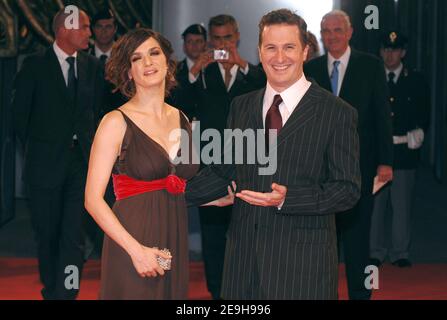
(56, 104)
(359, 79)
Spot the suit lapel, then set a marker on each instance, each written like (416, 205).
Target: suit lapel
(54, 69)
(213, 74)
(256, 116)
(184, 68)
(352, 73)
(239, 79)
(402, 77)
(81, 64)
(304, 111)
(324, 74)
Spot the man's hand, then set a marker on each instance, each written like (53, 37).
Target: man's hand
(272, 199)
(385, 173)
(202, 62)
(235, 58)
(228, 200)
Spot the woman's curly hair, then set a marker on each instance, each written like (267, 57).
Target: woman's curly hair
(119, 64)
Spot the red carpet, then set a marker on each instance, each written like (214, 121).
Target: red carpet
(19, 281)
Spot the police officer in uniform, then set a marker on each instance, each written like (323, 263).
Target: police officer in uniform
(410, 106)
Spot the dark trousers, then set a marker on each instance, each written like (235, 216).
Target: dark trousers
(214, 222)
(399, 194)
(57, 221)
(353, 229)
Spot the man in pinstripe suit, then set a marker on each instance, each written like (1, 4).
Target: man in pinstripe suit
(281, 243)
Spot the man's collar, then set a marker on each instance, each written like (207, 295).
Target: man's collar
(233, 69)
(99, 52)
(189, 63)
(396, 72)
(291, 94)
(344, 59)
(61, 54)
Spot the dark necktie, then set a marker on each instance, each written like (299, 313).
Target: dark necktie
(103, 59)
(71, 83)
(273, 120)
(334, 78)
(391, 77)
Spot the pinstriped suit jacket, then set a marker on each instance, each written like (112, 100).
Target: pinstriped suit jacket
(289, 253)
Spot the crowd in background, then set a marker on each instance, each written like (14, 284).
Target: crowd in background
(391, 99)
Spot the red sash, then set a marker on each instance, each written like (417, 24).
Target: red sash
(126, 186)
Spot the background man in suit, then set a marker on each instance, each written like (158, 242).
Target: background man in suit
(194, 46)
(359, 79)
(184, 97)
(281, 242)
(104, 29)
(216, 84)
(410, 103)
(57, 100)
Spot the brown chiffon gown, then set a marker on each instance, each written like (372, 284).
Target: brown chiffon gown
(155, 219)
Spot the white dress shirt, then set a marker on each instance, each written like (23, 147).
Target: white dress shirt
(396, 72)
(344, 60)
(290, 98)
(189, 63)
(62, 58)
(233, 72)
(99, 53)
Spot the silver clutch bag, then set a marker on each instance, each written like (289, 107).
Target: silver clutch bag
(165, 264)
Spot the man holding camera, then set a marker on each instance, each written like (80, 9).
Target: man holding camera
(218, 76)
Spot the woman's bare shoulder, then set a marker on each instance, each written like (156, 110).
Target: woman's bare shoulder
(113, 121)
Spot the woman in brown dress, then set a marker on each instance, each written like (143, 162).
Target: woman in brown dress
(136, 143)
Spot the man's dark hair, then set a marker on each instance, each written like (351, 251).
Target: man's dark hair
(103, 15)
(284, 16)
(222, 20)
(194, 29)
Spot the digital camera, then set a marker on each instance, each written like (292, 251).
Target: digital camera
(221, 55)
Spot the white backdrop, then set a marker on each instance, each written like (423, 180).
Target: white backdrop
(171, 17)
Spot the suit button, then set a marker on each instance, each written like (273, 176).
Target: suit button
(392, 99)
(392, 114)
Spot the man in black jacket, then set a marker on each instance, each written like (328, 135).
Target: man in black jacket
(105, 29)
(56, 103)
(359, 79)
(184, 96)
(217, 83)
(410, 106)
(281, 243)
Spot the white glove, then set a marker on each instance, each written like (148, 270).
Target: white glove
(415, 138)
